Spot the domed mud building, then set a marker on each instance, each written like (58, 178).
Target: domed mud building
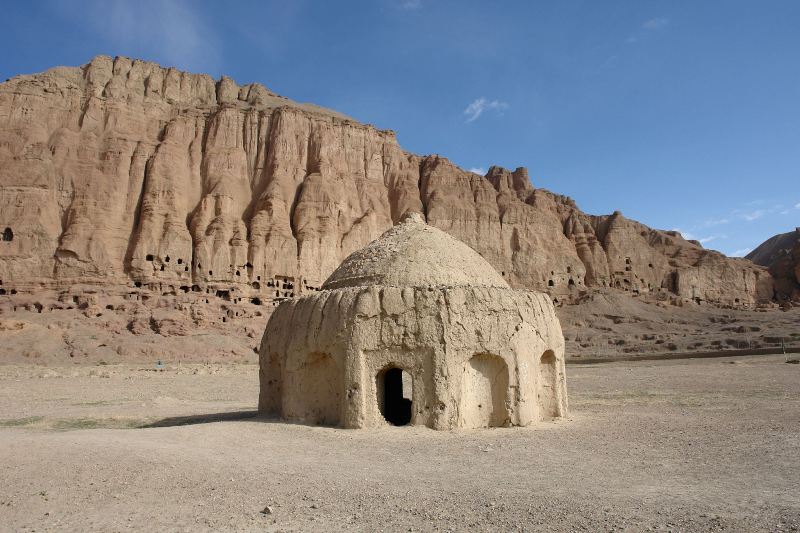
(414, 328)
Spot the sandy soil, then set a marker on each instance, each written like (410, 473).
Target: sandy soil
(700, 445)
(609, 324)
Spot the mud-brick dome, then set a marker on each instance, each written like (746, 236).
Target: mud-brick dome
(413, 254)
(415, 328)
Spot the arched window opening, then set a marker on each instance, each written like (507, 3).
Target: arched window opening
(8, 235)
(395, 393)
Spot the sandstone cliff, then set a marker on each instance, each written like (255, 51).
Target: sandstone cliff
(781, 254)
(122, 173)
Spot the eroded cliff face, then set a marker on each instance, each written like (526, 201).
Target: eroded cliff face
(124, 172)
(781, 254)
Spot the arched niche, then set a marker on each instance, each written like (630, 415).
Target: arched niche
(548, 392)
(484, 392)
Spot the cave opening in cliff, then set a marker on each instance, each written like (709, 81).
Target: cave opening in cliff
(149, 257)
(8, 235)
(550, 283)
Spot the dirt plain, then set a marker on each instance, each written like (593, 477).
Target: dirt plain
(688, 445)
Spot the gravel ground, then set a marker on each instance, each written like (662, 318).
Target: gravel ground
(695, 445)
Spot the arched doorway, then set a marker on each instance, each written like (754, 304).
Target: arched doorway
(484, 390)
(395, 395)
(548, 386)
(8, 235)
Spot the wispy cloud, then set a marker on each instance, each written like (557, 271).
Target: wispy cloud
(686, 234)
(704, 240)
(689, 236)
(655, 24)
(757, 209)
(648, 26)
(741, 253)
(481, 105)
(715, 222)
(170, 32)
(410, 4)
(797, 205)
(478, 170)
(752, 215)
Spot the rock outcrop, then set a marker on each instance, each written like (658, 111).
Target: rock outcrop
(123, 173)
(781, 254)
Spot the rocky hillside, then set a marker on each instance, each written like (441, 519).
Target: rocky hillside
(128, 175)
(781, 254)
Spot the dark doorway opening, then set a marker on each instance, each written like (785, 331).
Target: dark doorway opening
(8, 235)
(395, 390)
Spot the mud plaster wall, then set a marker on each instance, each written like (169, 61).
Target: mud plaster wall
(463, 347)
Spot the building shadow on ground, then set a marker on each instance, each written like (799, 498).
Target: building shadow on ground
(209, 418)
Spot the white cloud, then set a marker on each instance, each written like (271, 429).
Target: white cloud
(655, 24)
(478, 170)
(715, 222)
(648, 26)
(741, 253)
(479, 105)
(753, 215)
(689, 236)
(797, 205)
(710, 238)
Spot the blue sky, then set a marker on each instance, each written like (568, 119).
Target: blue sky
(683, 114)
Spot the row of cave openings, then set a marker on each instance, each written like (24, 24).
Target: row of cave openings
(625, 284)
(570, 283)
(4, 291)
(283, 285)
(484, 391)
